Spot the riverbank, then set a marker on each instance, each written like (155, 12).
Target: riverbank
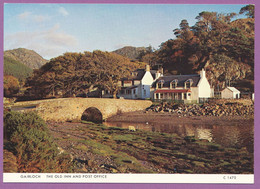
(175, 119)
(99, 149)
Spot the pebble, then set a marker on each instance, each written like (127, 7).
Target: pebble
(217, 109)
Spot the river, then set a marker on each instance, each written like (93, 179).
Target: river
(236, 136)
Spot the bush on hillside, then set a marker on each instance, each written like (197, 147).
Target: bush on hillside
(33, 145)
(11, 86)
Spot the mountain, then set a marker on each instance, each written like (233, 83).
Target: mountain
(133, 53)
(27, 57)
(15, 68)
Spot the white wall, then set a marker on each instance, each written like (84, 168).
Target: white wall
(194, 93)
(226, 93)
(204, 90)
(146, 82)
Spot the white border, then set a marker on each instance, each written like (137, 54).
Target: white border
(127, 178)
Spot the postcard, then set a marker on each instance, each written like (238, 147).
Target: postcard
(138, 94)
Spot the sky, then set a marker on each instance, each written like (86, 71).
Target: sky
(53, 29)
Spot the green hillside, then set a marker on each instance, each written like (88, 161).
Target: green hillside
(16, 69)
(28, 57)
(133, 53)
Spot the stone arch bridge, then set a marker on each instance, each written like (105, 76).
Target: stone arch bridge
(65, 109)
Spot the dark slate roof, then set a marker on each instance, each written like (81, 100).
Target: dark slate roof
(139, 74)
(181, 80)
(153, 72)
(172, 91)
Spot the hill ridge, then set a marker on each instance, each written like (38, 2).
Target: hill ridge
(30, 58)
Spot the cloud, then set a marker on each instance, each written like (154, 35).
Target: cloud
(48, 43)
(24, 15)
(63, 11)
(29, 16)
(40, 18)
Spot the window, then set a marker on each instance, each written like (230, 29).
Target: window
(144, 92)
(161, 95)
(134, 91)
(188, 83)
(128, 91)
(185, 96)
(160, 84)
(174, 84)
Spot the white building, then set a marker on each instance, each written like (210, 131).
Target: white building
(231, 93)
(139, 84)
(185, 88)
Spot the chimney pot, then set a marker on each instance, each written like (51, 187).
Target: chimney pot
(147, 68)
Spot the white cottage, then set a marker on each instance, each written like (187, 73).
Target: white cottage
(185, 88)
(231, 93)
(139, 84)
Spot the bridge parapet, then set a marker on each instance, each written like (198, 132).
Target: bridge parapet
(65, 109)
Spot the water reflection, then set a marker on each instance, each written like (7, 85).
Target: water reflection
(228, 136)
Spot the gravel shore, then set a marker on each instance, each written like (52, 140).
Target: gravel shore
(169, 118)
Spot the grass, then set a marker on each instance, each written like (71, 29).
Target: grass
(82, 147)
(128, 149)
(124, 138)
(121, 158)
(198, 163)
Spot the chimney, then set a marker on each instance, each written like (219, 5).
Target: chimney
(157, 75)
(202, 73)
(161, 70)
(147, 68)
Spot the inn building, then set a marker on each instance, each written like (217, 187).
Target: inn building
(152, 84)
(186, 88)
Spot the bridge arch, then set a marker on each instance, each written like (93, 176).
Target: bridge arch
(67, 109)
(92, 114)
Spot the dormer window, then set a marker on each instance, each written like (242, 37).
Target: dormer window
(188, 84)
(174, 84)
(160, 84)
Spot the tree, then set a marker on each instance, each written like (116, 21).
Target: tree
(249, 10)
(184, 31)
(213, 34)
(72, 73)
(11, 86)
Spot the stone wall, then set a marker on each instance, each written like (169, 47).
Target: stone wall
(65, 109)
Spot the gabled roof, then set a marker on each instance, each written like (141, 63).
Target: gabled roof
(153, 72)
(181, 80)
(139, 74)
(173, 91)
(233, 89)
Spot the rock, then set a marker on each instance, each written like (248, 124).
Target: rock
(217, 109)
(127, 161)
(60, 150)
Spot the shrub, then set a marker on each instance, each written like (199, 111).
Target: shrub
(11, 86)
(33, 145)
